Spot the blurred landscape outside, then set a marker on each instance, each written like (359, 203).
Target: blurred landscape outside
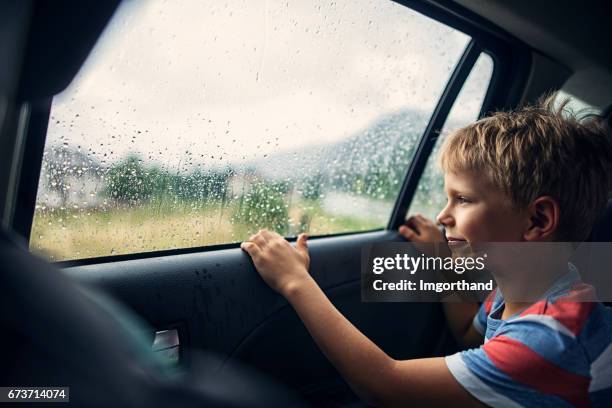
(198, 124)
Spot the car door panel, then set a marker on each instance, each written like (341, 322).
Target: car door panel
(219, 303)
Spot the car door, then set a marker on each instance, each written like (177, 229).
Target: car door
(189, 127)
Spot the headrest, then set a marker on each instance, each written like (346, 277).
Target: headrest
(602, 230)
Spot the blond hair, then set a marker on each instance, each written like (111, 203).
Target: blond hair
(539, 150)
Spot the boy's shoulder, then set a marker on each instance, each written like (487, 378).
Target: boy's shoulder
(570, 308)
(558, 350)
(569, 312)
(570, 328)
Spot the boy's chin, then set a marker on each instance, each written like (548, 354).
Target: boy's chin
(466, 249)
(460, 248)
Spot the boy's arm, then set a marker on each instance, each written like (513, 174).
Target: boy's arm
(373, 375)
(459, 314)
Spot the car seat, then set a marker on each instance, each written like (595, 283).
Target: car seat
(57, 333)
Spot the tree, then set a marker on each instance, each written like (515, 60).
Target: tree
(129, 182)
(312, 186)
(264, 206)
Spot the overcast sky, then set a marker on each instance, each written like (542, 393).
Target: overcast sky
(237, 80)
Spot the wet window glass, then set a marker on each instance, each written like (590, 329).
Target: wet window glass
(430, 198)
(196, 123)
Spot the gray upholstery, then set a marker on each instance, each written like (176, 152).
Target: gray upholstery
(59, 334)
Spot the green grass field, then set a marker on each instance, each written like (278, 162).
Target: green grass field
(76, 234)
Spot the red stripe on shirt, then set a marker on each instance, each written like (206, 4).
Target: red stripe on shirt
(525, 366)
(571, 310)
(488, 303)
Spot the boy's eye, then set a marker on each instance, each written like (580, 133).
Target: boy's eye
(458, 198)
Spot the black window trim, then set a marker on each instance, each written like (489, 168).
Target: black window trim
(432, 131)
(511, 59)
(511, 65)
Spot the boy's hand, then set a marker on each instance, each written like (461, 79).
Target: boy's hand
(422, 232)
(420, 229)
(279, 264)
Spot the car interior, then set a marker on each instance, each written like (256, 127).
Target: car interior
(204, 317)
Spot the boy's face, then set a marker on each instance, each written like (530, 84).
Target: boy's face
(478, 212)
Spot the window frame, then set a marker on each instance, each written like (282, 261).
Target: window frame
(511, 65)
(434, 128)
(511, 60)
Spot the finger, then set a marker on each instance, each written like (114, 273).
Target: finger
(423, 219)
(301, 246)
(301, 243)
(407, 232)
(251, 248)
(275, 238)
(413, 223)
(258, 239)
(270, 235)
(419, 220)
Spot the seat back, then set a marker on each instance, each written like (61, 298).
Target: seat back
(57, 333)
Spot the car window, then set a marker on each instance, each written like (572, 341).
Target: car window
(197, 123)
(430, 198)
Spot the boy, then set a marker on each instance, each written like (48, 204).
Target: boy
(524, 176)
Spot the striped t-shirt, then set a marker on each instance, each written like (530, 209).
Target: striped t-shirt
(555, 353)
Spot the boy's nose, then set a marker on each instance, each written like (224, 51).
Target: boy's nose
(444, 217)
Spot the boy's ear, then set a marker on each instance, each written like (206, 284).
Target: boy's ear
(543, 219)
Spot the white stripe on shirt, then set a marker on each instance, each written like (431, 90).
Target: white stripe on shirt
(545, 320)
(475, 386)
(601, 371)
